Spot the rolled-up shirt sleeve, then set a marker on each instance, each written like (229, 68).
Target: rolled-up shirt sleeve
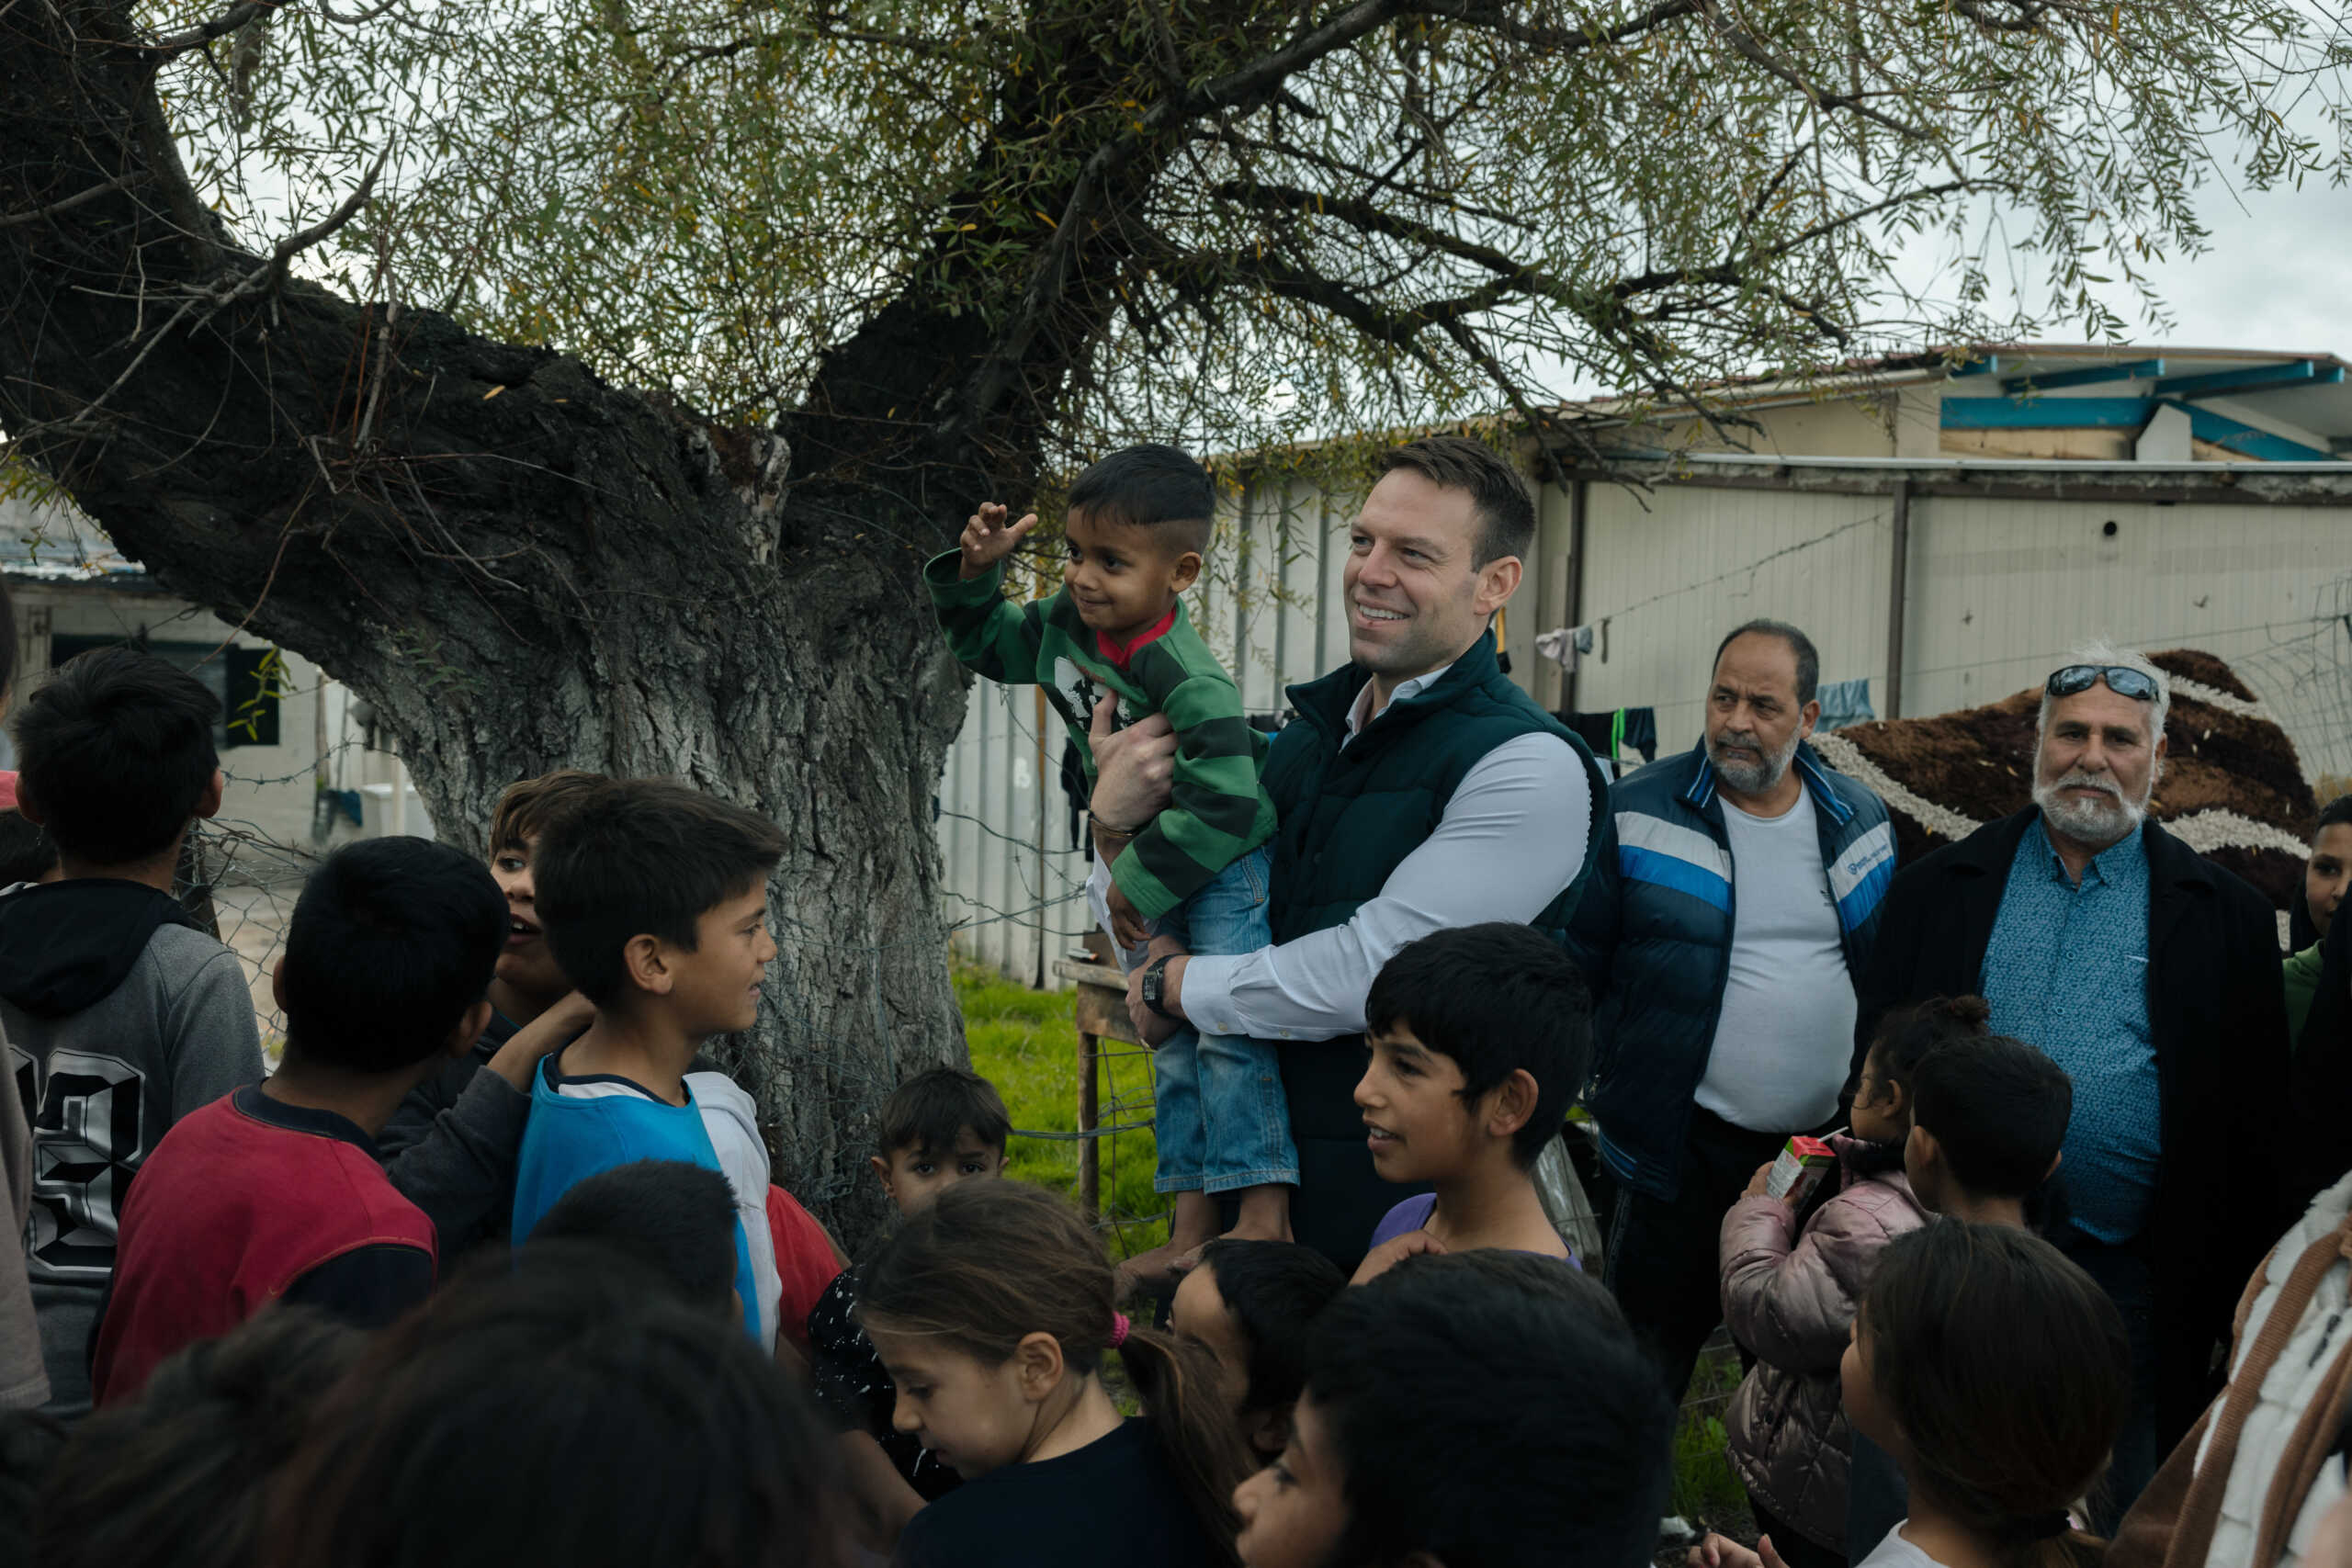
(1512, 838)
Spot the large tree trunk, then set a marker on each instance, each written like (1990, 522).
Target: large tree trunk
(521, 567)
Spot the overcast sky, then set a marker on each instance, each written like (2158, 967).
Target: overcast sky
(2279, 273)
(2276, 274)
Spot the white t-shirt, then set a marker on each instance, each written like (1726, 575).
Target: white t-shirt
(1784, 1039)
(1896, 1551)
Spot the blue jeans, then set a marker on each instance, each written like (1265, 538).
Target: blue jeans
(1220, 1118)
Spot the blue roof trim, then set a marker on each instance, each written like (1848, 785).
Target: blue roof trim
(2260, 378)
(2047, 414)
(2092, 375)
(2246, 441)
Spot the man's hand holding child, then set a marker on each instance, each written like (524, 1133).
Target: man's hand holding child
(986, 540)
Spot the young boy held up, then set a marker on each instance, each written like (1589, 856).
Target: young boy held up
(470, 1118)
(938, 1128)
(1478, 1037)
(121, 1016)
(1116, 633)
(275, 1192)
(654, 899)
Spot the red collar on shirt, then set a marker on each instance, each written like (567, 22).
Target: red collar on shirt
(1120, 653)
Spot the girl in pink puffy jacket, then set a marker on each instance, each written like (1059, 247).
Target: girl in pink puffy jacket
(1790, 1295)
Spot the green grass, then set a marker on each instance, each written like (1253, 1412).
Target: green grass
(1025, 1042)
(1707, 1491)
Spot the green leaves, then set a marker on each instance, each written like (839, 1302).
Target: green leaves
(706, 197)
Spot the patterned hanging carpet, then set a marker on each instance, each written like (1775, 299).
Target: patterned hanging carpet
(2231, 789)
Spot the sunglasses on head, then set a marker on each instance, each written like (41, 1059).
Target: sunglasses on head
(2123, 682)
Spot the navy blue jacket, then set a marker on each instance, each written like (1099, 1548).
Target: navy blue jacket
(1653, 934)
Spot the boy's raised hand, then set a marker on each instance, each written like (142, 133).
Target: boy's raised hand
(986, 539)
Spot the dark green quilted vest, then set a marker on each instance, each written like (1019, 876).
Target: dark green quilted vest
(1350, 816)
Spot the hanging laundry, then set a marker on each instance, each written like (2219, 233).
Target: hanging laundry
(1565, 645)
(1844, 702)
(1612, 732)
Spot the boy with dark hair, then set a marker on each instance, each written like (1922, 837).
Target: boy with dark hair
(1478, 1038)
(473, 1119)
(1117, 633)
(1248, 1303)
(939, 1128)
(1487, 1409)
(674, 1221)
(276, 1192)
(121, 1016)
(1988, 1123)
(653, 896)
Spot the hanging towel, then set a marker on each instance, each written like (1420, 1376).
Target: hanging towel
(1565, 645)
(1844, 702)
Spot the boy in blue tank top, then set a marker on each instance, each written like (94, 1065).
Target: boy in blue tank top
(654, 899)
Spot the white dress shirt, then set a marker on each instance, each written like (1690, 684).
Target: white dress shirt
(1511, 838)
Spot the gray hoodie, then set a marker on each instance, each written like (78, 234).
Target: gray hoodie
(121, 1018)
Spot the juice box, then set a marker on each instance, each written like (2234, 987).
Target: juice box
(1799, 1169)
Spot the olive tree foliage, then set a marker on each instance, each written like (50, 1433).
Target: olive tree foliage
(583, 381)
(1251, 221)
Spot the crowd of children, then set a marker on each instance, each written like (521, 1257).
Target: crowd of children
(490, 1268)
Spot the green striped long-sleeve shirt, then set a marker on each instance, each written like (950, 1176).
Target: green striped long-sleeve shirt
(1216, 811)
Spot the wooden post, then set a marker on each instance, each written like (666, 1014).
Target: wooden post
(1044, 916)
(1574, 617)
(1898, 579)
(1102, 1014)
(1090, 1153)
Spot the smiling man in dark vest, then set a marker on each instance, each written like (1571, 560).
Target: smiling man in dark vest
(1417, 789)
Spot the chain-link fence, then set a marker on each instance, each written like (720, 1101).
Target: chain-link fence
(240, 883)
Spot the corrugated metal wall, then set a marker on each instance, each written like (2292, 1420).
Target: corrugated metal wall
(1996, 589)
(1671, 570)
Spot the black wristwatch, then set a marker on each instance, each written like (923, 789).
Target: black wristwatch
(1155, 988)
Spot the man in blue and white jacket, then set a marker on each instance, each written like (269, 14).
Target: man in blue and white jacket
(1733, 895)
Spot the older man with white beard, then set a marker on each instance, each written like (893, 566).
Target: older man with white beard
(1734, 898)
(2151, 975)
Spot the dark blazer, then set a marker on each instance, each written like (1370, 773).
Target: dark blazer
(2322, 1148)
(2218, 1016)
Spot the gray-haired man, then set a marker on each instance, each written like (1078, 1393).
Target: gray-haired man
(2151, 975)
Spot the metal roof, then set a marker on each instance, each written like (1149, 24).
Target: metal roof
(55, 542)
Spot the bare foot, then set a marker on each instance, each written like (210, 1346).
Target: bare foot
(1265, 1217)
(1191, 1225)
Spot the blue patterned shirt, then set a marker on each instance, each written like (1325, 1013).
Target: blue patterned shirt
(2067, 970)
